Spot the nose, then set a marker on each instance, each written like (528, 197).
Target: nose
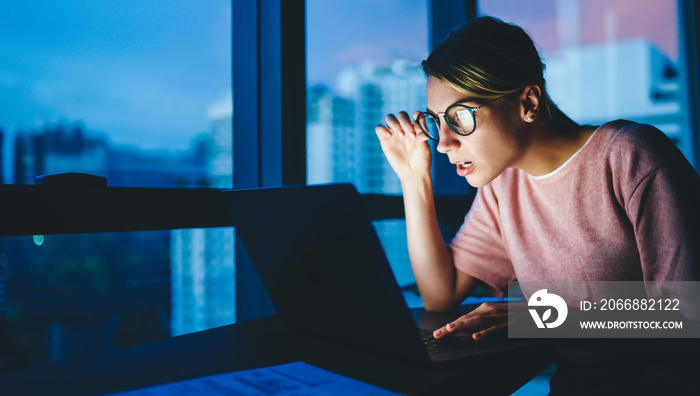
(448, 140)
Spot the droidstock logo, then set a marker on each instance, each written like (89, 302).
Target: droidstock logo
(543, 299)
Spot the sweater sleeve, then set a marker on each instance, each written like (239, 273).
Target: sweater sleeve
(660, 193)
(478, 249)
(665, 214)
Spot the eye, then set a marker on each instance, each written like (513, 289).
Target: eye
(464, 117)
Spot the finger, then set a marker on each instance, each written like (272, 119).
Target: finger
(416, 128)
(421, 137)
(439, 333)
(394, 125)
(382, 132)
(466, 323)
(470, 322)
(458, 325)
(444, 331)
(418, 131)
(406, 123)
(485, 316)
(492, 331)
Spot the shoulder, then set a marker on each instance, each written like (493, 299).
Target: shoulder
(629, 135)
(638, 157)
(638, 148)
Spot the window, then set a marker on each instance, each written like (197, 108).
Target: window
(138, 94)
(608, 59)
(76, 294)
(354, 78)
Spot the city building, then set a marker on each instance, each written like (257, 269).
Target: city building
(71, 295)
(596, 83)
(342, 145)
(202, 260)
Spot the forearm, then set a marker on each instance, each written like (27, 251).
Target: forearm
(431, 261)
(408, 152)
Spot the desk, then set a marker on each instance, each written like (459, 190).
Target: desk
(264, 342)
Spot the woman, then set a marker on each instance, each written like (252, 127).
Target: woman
(556, 201)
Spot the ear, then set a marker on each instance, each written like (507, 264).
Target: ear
(531, 103)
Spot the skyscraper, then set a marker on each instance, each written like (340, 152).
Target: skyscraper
(202, 260)
(628, 79)
(81, 293)
(343, 146)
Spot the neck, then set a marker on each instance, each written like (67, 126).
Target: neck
(561, 123)
(551, 143)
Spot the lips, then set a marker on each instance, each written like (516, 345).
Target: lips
(464, 168)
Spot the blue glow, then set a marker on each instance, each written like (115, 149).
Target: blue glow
(38, 240)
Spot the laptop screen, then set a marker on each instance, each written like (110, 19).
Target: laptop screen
(322, 264)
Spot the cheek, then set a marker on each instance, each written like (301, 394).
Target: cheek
(495, 149)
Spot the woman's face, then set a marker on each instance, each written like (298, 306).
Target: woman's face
(496, 144)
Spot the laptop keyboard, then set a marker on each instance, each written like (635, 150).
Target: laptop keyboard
(452, 343)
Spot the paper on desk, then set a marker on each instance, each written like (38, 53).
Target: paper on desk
(297, 379)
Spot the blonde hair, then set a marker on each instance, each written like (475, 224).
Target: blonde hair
(487, 58)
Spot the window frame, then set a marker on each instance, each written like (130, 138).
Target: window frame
(269, 69)
(269, 74)
(270, 150)
(689, 38)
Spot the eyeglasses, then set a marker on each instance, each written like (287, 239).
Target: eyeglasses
(459, 117)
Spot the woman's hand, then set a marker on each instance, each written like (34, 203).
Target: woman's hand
(405, 146)
(487, 320)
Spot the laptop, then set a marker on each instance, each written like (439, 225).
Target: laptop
(327, 275)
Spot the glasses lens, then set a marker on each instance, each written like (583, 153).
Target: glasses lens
(428, 124)
(461, 119)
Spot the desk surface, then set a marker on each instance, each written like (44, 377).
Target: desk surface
(265, 342)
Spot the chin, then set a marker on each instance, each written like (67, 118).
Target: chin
(476, 181)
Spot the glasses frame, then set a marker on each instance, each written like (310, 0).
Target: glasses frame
(454, 128)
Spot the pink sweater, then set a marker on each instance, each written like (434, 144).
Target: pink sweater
(625, 207)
